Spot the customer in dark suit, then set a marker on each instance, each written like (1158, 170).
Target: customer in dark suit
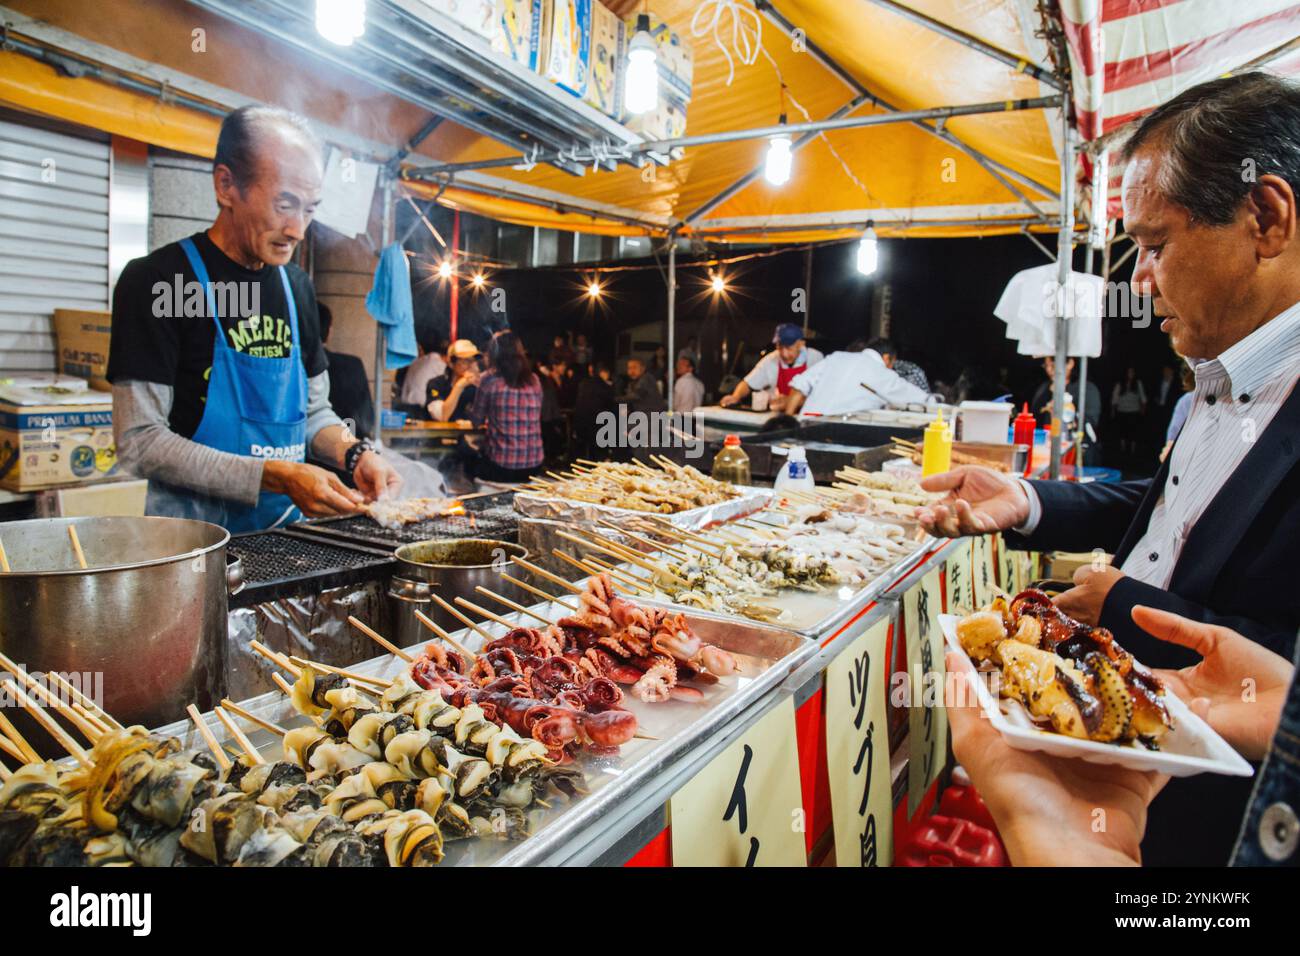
(1215, 536)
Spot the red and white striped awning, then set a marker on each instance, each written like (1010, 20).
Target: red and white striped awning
(1129, 56)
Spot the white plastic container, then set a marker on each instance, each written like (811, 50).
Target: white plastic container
(795, 472)
(984, 421)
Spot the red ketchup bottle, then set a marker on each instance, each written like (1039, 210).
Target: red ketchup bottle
(1023, 434)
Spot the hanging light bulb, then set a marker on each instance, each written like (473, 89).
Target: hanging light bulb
(641, 78)
(341, 21)
(780, 159)
(868, 252)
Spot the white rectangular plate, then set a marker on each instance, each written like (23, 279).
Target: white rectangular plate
(1191, 747)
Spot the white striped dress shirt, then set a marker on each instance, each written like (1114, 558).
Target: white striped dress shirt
(1236, 396)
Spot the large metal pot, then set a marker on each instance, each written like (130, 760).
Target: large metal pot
(452, 568)
(145, 622)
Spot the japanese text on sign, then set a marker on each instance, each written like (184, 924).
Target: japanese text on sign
(927, 721)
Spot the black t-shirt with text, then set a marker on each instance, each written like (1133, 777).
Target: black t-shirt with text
(440, 387)
(162, 332)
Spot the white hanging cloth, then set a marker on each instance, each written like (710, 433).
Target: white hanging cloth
(1032, 300)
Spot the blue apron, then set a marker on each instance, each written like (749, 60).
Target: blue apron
(256, 407)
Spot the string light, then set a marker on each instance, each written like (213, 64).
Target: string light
(641, 78)
(868, 252)
(341, 21)
(594, 290)
(718, 284)
(444, 269)
(478, 280)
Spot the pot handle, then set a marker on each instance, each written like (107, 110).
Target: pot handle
(234, 576)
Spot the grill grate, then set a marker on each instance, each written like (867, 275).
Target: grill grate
(277, 564)
(488, 516)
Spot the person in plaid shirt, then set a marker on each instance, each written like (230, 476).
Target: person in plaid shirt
(509, 401)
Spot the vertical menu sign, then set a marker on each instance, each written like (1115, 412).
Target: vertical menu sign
(982, 570)
(746, 807)
(927, 720)
(1006, 566)
(857, 751)
(961, 598)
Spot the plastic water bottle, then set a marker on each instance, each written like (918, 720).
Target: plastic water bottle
(795, 472)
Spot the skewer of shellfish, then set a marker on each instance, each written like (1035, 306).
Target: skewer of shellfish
(275, 658)
(652, 545)
(655, 566)
(218, 752)
(287, 689)
(350, 675)
(71, 713)
(92, 710)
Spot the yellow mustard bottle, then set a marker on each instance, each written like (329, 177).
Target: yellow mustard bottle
(936, 453)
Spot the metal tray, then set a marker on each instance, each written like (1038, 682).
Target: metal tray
(617, 783)
(588, 513)
(486, 516)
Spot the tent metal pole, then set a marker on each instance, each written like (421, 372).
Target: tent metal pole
(1064, 257)
(1021, 65)
(761, 132)
(991, 166)
(672, 317)
(386, 236)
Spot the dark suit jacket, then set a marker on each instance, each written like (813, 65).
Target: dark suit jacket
(1238, 566)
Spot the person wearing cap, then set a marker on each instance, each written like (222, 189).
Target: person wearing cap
(778, 368)
(451, 395)
(688, 391)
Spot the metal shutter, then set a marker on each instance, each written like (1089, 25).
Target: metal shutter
(53, 234)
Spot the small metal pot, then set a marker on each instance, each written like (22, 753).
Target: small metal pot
(451, 569)
(144, 625)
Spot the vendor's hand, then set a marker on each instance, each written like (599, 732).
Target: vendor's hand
(1050, 811)
(777, 403)
(374, 477)
(979, 501)
(317, 492)
(1084, 601)
(1244, 683)
(728, 400)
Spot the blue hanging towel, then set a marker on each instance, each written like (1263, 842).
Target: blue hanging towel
(389, 302)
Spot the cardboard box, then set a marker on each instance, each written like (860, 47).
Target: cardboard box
(83, 339)
(59, 443)
(674, 55)
(568, 45)
(518, 30)
(477, 16)
(608, 44)
(666, 121)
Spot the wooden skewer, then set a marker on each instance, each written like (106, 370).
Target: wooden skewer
(640, 562)
(486, 613)
(234, 708)
(537, 591)
(460, 648)
(9, 730)
(653, 545)
(5, 773)
(512, 605)
(350, 675)
(12, 750)
(379, 639)
(277, 659)
(94, 710)
(88, 730)
(463, 619)
(76, 546)
(543, 573)
(245, 744)
(52, 728)
(582, 565)
(4, 559)
(636, 584)
(217, 750)
(626, 572)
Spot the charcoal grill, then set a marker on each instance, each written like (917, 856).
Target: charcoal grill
(288, 563)
(486, 516)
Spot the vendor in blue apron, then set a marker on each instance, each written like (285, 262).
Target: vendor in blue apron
(777, 369)
(220, 379)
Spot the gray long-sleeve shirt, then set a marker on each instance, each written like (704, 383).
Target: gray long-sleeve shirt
(147, 447)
